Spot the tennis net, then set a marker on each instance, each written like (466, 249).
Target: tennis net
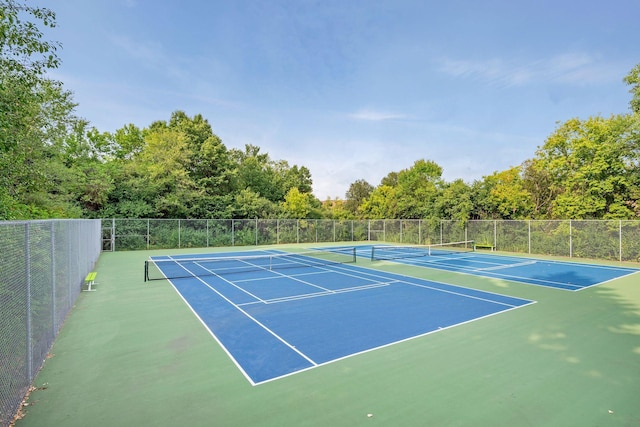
(390, 252)
(174, 268)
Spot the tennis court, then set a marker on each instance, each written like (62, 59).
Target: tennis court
(277, 313)
(133, 353)
(460, 257)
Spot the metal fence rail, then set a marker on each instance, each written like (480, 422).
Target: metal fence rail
(598, 239)
(42, 267)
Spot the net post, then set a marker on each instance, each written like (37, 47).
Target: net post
(146, 270)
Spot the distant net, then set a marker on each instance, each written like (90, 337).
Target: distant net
(174, 268)
(390, 252)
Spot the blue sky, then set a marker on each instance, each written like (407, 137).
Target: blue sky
(353, 89)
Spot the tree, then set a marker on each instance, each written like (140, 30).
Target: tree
(391, 179)
(31, 166)
(381, 203)
(32, 108)
(356, 194)
(633, 79)
(23, 51)
(418, 188)
(127, 142)
(591, 167)
(508, 196)
(454, 202)
(249, 204)
(159, 174)
(297, 204)
(336, 209)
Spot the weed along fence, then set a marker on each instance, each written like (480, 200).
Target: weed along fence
(42, 268)
(617, 240)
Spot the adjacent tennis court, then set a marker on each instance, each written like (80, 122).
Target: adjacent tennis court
(462, 258)
(276, 313)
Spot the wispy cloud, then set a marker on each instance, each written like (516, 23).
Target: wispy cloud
(574, 68)
(148, 52)
(376, 116)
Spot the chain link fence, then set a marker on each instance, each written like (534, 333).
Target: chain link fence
(43, 263)
(42, 267)
(598, 239)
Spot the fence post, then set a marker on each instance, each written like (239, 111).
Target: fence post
(27, 251)
(570, 239)
(53, 279)
(620, 239)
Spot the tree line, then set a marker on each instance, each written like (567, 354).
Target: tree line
(54, 164)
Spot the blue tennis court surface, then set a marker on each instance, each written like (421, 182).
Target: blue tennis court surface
(274, 323)
(553, 274)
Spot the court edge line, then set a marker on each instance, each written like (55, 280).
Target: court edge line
(229, 282)
(550, 284)
(279, 338)
(456, 269)
(314, 364)
(235, 362)
(545, 283)
(435, 281)
(503, 277)
(346, 267)
(607, 281)
(323, 294)
(394, 343)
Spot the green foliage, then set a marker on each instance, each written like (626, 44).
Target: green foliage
(633, 80)
(23, 51)
(418, 189)
(590, 167)
(504, 195)
(54, 164)
(381, 203)
(356, 194)
(454, 202)
(297, 204)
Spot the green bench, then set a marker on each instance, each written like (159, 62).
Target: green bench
(485, 246)
(89, 281)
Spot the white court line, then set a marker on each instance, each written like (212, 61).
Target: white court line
(323, 294)
(263, 326)
(503, 266)
(363, 273)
